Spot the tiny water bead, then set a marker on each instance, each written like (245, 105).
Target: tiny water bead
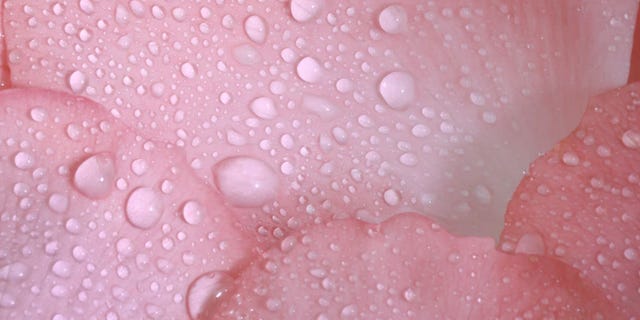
(245, 181)
(144, 208)
(95, 176)
(193, 212)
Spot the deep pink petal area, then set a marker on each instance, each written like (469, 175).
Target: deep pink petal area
(96, 221)
(407, 267)
(580, 202)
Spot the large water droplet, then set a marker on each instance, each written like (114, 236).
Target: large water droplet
(246, 181)
(206, 291)
(393, 19)
(398, 89)
(255, 28)
(95, 175)
(144, 208)
(188, 70)
(309, 70)
(305, 10)
(61, 269)
(264, 107)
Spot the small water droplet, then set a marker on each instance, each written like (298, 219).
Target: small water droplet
(397, 89)
(305, 10)
(483, 194)
(409, 294)
(631, 139)
(122, 14)
(38, 114)
(87, 6)
(570, 159)
(206, 291)
(246, 181)
(264, 107)
(309, 70)
(188, 70)
(94, 177)
(256, 28)
(393, 19)
(24, 160)
(139, 167)
(124, 246)
(391, 197)
(349, 311)
(530, 243)
(61, 269)
(630, 254)
(77, 81)
(193, 212)
(144, 208)
(58, 202)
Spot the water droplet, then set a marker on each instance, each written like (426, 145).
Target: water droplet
(530, 243)
(393, 19)
(7, 300)
(206, 291)
(144, 208)
(61, 269)
(87, 6)
(305, 10)
(264, 107)
(391, 197)
(38, 114)
(256, 28)
(77, 81)
(125, 247)
(570, 159)
(246, 181)
(24, 160)
(409, 295)
(246, 54)
(188, 70)
(483, 194)
(309, 70)
(630, 254)
(320, 106)
(398, 89)
(95, 176)
(122, 14)
(58, 202)
(193, 212)
(14, 272)
(631, 139)
(349, 311)
(139, 167)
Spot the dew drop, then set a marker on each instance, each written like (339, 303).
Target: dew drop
(264, 107)
(77, 81)
(483, 194)
(207, 290)
(139, 167)
(61, 269)
(58, 202)
(246, 54)
(87, 6)
(24, 160)
(245, 181)
(144, 208)
(409, 294)
(630, 254)
(393, 19)
(255, 28)
(188, 70)
(305, 10)
(94, 177)
(391, 197)
(320, 106)
(570, 159)
(14, 272)
(631, 139)
(193, 212)
(122, 14)
(38, 114)
(124, 247)
(530, 243)
(309, 70)
(398, 89)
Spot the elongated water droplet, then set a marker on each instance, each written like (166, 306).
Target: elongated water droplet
(264, 107)
(305, 10)
(246, 181)
(206, 291)
(256, 28)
